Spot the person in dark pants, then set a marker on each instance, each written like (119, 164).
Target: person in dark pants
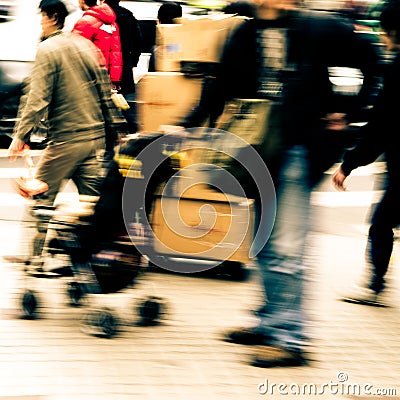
(379, 137)
(283, 56)
(131, 48)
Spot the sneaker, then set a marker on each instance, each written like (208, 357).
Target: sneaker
(271, 356)
(365, 296)
(246, 336)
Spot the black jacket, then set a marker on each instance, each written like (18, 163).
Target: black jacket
(381, 134)
(131, 45)
(316, 41)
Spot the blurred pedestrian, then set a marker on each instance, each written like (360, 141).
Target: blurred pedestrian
(239, 7)
(98, 24)
(166, 15)
(70, 85)
(379, 137)
(168, 12)
(131, 47)
(283, 56)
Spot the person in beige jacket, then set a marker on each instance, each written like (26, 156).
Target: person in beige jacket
(71, 89)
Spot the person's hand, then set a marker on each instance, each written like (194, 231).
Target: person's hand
(16, 149)
(115, 86)
(336, 121)
(338, 179)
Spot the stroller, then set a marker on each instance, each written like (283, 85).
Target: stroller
(103, 255)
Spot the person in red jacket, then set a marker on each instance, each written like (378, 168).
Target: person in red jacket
(98, 24)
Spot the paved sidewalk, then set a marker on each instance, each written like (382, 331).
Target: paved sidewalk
(356, 348)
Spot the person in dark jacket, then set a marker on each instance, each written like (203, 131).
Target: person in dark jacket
(244, 8)
(284, 56)
(131, 47)
(379, 137)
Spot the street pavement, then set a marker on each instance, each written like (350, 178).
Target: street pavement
(355, 349)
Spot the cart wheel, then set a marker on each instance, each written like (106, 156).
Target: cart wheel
(150, 310)
(233, 270)
(107, 323)
(29, 304)
(75, 293)
(101, 323)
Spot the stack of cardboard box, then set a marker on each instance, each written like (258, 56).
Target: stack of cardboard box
(167, 96)
(194, 221)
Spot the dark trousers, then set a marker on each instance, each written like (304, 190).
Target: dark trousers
(380, 239)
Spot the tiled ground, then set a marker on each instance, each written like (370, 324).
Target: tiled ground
(51, 358)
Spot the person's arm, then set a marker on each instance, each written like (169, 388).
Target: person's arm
(223, 86)
(336, 44)
(34, 102)
(371, 143)
(113, 119)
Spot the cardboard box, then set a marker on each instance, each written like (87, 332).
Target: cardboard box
(169, 47)
(196, 38)
(165, 98)
(205, 225)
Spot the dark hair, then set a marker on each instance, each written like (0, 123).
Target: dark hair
(55, 9)
(168, 11)
(90, 3)
(243, 8)
(390, 19)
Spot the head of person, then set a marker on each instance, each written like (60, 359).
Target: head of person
(390, 23)
(86, 4)
(273, 9)
(168, 12)
(239, 7)
(53, 13)
(111, 2)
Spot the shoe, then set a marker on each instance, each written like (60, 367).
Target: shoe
(364, 296)
(246, 336)
(15, 259)
(62, 271)
(271, 356)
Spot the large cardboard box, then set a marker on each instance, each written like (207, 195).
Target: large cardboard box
(165, 98)
(196, 38)
(204, 224)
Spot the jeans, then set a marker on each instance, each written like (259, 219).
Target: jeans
(282, 319)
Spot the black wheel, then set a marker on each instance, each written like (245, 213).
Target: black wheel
(150, 311)
(232, 270)
(107, 324)
(75, 293)
(101, 323)
(29, 304)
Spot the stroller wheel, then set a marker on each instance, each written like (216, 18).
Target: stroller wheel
(150, 311)
(29, 304)
(75, 293)
(232, 270)
(101, 323)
